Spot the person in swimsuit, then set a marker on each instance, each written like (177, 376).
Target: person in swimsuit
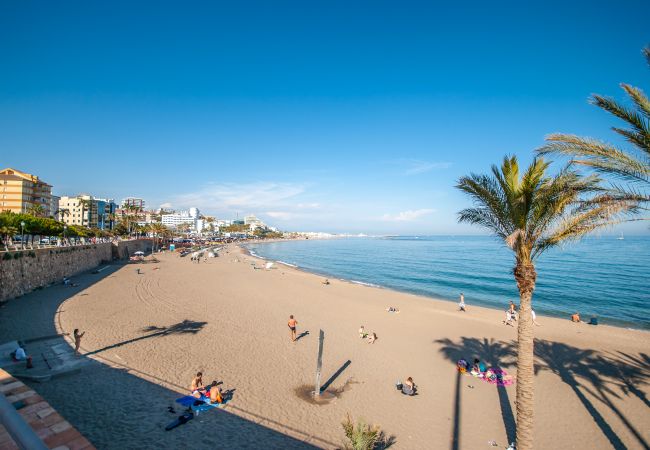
(197, 388)
(77, 340)
(215, 393)
(513, 310)
(461, 303)
(292, 328)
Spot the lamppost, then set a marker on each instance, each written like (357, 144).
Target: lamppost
(65, 227)
(22, 234)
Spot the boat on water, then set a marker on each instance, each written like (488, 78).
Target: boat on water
(620, 238)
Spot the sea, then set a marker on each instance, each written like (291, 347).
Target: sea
(604, 276)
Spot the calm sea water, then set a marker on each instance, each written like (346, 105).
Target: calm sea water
(600, 276)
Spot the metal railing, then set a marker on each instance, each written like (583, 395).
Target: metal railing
(19, 430)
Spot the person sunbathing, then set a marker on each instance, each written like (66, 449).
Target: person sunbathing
(197, 388)
(409, 387)
(362, 333)
(478, 367)
(215, 393)
(372, 338)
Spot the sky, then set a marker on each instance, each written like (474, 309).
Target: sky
(354, 117)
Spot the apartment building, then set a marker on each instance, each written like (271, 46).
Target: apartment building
(20, 191)
(88, 211)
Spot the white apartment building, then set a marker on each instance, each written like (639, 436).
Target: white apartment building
(190, 217)
(253, 222)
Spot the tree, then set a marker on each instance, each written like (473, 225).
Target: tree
(86, 205)
(629, 166)
(532, 214)
(36, 210)
(7, 232)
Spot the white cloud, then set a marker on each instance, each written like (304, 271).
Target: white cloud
(281, 215)
(166, 205)
(407, 216)
(246, 197)
(417, 167)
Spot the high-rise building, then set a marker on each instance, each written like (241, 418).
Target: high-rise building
(88, 211)
(20, 191)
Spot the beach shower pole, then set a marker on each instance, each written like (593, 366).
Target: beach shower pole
(319, 363)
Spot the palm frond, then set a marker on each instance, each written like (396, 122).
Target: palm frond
(486, 194)
(639, 98)
(599, 156)
(641, 135)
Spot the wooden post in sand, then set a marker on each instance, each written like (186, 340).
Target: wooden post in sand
(319, 363)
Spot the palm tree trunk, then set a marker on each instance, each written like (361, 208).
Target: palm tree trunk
(526, 276)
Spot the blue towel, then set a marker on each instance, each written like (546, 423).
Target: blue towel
(188, 401)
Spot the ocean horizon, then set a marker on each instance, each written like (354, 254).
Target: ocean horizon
(601, 276)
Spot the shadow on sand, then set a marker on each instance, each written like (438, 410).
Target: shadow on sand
(110, 418)
(603, 376)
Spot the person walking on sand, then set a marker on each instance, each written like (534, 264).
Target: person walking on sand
(292, 328)
(513, 310)
(77, 340)
(461, 304)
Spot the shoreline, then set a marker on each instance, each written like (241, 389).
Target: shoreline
(246, 250)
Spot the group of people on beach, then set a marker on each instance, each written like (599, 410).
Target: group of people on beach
(371, 337)
(211, 392)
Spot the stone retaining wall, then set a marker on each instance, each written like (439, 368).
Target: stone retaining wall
(23, 271)
(124, 249)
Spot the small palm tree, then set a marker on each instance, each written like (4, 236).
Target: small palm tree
(629, 166)
(361, 435)
(7, 232)
(530, 214)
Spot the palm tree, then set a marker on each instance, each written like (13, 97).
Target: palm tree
(630, 166)
(36, 210)
(86, 205)
(530, 214)
(7, 232)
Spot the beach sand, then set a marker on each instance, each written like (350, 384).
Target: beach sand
(148, 334)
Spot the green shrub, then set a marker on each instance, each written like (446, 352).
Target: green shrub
(7, 256)
(18, 255)
(361, 435)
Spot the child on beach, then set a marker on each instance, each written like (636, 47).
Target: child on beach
(292, 328)
(77, 340)
(215, 393)
(575, 317)
(509, 318)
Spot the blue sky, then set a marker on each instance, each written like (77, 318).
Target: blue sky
(332, 116)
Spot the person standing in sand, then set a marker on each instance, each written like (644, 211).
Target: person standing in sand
(461, 304)
(292, 328)
(77, 340)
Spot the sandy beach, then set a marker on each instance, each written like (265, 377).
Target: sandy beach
(149, 333)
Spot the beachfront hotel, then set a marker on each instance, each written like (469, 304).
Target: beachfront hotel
(20, 191)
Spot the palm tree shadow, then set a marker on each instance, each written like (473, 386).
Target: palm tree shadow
(572, 364)
(495, 354)
(184, 327)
